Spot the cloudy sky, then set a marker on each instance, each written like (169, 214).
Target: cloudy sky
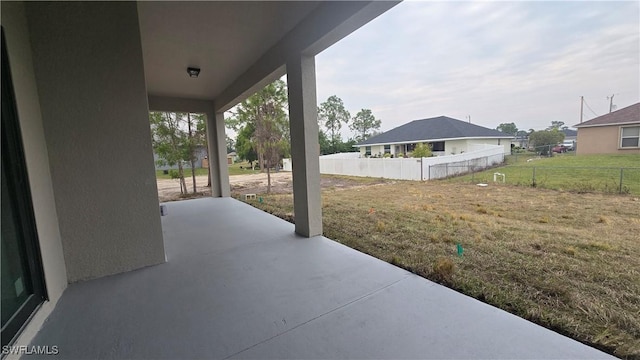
(522, 62)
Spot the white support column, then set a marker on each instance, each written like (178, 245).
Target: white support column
(218, 167)
(305, 151)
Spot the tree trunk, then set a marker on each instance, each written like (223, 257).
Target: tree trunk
(191, 151)
(183, 184)
(261, 160)
(209, 168)
(193, 174)
(268, 177)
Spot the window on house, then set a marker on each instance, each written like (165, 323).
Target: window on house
(387, 149)
(630, 137)
(437, 146)
(411, 147)
(367, 150)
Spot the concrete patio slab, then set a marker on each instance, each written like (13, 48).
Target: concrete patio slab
(239, 283)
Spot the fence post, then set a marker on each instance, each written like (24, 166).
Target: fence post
(428, 172)
(533, 180)
(446, 170)
(621, 175)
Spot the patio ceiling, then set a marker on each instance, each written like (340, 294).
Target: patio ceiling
(221, 38)
(238, 46)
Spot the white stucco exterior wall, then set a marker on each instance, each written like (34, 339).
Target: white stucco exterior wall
(36, 154)
(90, 78)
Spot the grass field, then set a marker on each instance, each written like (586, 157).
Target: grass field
(567, 261)
(568, 172)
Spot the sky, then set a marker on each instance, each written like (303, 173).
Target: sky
(525, 62)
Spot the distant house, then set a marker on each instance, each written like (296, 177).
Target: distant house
(570, 134)
(200, 155)
(231, 158)
(445, 135)
(614, 133)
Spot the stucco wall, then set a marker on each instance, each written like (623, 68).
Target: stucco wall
(14, 23)
(89, 71)
(601, 140)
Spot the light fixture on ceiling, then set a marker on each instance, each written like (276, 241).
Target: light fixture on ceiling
(193, 72)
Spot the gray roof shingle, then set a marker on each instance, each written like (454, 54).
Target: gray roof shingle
(629, 114)
(441, 127)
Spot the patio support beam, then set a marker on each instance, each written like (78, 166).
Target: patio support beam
(217, 155)
(305, 152)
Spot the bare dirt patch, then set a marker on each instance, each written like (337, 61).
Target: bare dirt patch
(281, 183)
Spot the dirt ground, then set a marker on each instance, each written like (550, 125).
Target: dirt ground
(281, 183)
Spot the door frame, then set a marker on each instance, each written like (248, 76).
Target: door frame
(18, 181)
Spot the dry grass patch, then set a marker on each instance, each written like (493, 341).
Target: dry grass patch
(569, 262)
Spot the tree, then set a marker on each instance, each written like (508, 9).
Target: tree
(272, 125)
(421, 151)
(170, 142)
(231, 145)
(332, 114)
(265, 126)
(364, 123)
(325, 144)
(556, 125)
(543, 140)
(508, 128)
(348, 146)
(196, 137)
(244, 146)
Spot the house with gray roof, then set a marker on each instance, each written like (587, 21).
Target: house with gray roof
(445, 135)
(617, 132)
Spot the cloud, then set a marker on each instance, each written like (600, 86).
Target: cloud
(526, 62)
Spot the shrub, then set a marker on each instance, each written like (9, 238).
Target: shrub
(422, 150)
(174, 174)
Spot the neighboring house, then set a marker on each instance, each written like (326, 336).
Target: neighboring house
(570, 134)
(614, 133)
(520, 141)
(201, 154)
(232, 157)
(445, 135)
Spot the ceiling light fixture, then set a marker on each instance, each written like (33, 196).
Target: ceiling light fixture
(193, 72)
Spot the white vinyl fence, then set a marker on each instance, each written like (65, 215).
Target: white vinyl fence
(410, 168)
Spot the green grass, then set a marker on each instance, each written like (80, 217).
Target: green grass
(246, 169)
(566, 261)
(567, 172)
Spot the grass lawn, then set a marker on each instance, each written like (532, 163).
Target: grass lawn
(570, 172)
(241, 168)
(567, 261)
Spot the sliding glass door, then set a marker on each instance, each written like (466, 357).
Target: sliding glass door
(22, 280)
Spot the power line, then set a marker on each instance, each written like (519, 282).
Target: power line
(589, 107)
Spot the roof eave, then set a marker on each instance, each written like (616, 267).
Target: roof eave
(432, 140)
(612, 124)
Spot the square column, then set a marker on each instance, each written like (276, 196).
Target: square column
(218, 167)
(305, 151)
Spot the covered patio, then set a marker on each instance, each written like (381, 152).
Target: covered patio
(238, 283)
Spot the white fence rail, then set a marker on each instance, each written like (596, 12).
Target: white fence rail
(411, 168)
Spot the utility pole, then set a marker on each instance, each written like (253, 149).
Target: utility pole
(611, 102)
(581, 107)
